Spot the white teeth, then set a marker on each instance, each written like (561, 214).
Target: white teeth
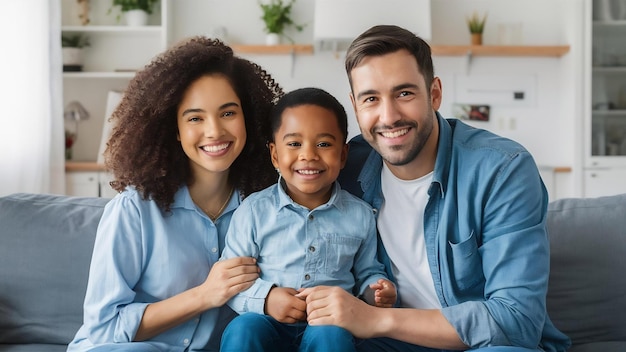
(395, 134)
(215, 148)
(309, 172)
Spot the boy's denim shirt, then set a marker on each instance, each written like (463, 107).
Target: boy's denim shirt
(333, 244)
(486, 240)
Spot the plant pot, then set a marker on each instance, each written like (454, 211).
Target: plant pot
(135, 18)
(72, 59)
(477, 39)
(272, 39)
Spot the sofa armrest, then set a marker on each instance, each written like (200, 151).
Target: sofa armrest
(46, 242)
(587, 289)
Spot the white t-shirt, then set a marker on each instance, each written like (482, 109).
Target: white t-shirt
(401, 228)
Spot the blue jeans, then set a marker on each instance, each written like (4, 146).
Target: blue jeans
(384, 344)
(258, 333)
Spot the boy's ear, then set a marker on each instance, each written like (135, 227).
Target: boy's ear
(273, 153)
(344, 154)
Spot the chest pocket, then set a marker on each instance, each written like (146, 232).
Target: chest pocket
(338, 252)
(467, 264)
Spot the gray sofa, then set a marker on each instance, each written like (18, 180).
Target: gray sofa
(46, 243)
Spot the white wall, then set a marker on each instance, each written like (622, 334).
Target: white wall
(550, 126)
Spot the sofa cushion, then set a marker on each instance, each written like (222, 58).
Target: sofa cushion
(46, 242)
(587, 290)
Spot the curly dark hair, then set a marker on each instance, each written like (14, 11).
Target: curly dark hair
(143, 150)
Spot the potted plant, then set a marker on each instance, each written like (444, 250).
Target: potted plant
(72, 46)
(135, 11)
(476, 25)
(277, 17)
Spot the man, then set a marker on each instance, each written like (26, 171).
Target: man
(461, 216)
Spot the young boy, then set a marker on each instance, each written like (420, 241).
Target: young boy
(304, 231)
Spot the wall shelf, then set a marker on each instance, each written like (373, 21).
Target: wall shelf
(614, 112)
(443, 50)
(500, 50)
(112, 29)
(274, 49)
(91, 74)
(75, 166)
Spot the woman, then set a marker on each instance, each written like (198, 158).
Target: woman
(188, 145)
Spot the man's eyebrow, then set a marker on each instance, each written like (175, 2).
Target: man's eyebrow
(366, 92)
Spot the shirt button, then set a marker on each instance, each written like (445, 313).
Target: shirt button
(214, 250)
(311, 217)
(312, 249)
(186, 342)
(307, 277)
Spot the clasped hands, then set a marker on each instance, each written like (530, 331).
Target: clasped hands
(288, 305)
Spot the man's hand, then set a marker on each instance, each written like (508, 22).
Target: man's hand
(283, 305)
(335, 306)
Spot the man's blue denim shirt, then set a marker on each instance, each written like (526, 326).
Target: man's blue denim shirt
(485, 233)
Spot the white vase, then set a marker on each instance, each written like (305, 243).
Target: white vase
(72, 59)
(272, 39)
(136, 18)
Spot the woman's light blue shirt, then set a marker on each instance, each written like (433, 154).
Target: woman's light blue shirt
(144, 255)
(333, 244)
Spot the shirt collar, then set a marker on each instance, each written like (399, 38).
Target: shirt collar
(444, 155)
(284, 199)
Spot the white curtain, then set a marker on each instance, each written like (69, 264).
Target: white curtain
(31, 111)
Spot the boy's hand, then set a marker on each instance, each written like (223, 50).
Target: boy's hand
(283, 305)
(385, 294)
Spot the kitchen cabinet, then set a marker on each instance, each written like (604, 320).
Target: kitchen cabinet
(82, 184)
(605, 125)
(603, 182)
(608, 85)
(88, 179)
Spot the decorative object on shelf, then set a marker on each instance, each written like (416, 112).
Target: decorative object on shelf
(72, 50)
(69, 142)
(135, 11)
(277, 17)
(84, 12)
(470, 112)
(74, 111)
(113, 100)
(476, 25)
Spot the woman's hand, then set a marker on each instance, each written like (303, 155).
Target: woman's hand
(227, 278)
